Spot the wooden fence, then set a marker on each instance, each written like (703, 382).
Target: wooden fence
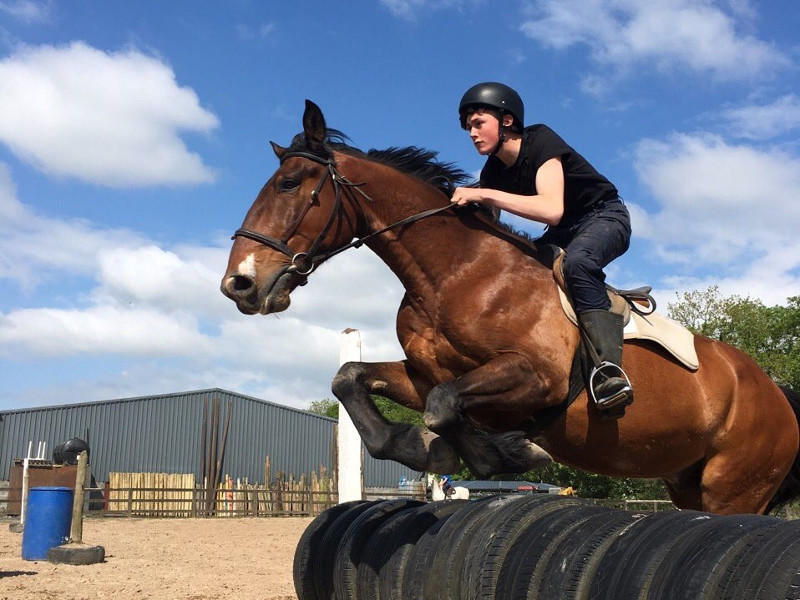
(176, 495)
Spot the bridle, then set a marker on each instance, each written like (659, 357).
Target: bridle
(304, 263)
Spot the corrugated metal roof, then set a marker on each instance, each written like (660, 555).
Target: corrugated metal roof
(164, 434)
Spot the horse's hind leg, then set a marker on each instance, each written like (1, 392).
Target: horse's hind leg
(507, 385)
(413, 446)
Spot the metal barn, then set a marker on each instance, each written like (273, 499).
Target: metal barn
(165, 433)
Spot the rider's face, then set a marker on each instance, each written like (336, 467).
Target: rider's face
(484, 131)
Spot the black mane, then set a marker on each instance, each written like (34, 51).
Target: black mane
(411, 160)
(423, 164)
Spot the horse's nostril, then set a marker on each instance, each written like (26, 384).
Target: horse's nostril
(239, 285)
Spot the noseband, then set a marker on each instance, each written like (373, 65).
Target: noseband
(304, 263)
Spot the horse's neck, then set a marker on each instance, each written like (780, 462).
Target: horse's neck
(428, 252)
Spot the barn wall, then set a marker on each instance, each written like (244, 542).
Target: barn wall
(164, 434)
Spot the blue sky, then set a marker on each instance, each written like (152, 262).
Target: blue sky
(134, 136)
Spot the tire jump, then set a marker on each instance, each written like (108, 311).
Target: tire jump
(518, 547)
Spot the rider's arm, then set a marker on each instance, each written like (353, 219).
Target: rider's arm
(547, 206)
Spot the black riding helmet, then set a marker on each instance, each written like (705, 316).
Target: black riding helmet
(493, 95)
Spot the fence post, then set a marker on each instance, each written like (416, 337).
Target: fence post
(350, 462)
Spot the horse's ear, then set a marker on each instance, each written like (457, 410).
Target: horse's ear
(278, 150)
(314, 127)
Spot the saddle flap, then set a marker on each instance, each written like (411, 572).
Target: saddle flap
(640, 323)
(619, 304)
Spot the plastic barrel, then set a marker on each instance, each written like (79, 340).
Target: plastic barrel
(48, 517)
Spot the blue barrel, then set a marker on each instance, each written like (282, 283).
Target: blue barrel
(48, 516)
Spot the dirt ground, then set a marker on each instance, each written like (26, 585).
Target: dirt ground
(163, 559)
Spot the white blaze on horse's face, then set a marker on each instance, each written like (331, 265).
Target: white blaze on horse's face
(248, 266)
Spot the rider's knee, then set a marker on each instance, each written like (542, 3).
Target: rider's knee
(579, 263)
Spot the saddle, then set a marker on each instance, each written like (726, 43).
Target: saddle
(637, 308)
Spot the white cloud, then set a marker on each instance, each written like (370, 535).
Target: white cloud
(98, 331)
(151, 276)
(111, 119)
(255, 32)
(687, 34)
(411, 9)
(730, 208)
(765, 121)
(27, 10)
(35, 249)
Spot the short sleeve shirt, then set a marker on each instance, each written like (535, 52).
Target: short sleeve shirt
(584, 187)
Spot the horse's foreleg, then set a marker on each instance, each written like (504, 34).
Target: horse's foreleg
(414, 446)
(507, 384)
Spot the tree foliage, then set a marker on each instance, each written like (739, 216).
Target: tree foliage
(390, 410)
(769, 334)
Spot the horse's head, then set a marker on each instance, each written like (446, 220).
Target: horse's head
(298, 217)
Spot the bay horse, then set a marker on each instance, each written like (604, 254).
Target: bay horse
(488, 346)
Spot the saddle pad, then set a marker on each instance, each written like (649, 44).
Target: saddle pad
(666, 332)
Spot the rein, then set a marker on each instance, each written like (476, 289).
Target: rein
(304, 263)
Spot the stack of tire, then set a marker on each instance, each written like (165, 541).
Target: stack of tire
(516, 547)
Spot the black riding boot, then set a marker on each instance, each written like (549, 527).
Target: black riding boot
(609, 382)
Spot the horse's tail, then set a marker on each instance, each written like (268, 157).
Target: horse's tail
(790, 488)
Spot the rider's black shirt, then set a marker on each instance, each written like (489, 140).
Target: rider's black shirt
(584, 187)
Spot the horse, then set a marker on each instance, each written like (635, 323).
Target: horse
(488, 346)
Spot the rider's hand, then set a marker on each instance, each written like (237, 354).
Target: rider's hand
(467, 195)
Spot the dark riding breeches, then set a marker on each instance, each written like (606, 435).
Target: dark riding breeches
(591, 243)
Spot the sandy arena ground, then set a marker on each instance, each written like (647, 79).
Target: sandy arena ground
(164, 559)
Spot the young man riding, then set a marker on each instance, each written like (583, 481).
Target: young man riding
(533, 173)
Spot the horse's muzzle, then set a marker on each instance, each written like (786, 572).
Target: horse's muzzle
(244, 290)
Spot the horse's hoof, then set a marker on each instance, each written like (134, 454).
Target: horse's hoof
(442, 459)
(520, 454)
(539, 458)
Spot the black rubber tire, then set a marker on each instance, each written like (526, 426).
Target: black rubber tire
(408, 581)
(389, 576)
(326, 551)
(76, 554)
(525, 559)
(686, 569)
(305, 554)
(495, 536)
(568, 572)
(376, 554)
(770, 569)
(444, 580)
(349, 551)
(629, 564)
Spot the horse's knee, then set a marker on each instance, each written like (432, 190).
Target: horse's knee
(347, 379)
(441, 409)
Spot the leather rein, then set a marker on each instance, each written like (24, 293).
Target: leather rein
(304, 263)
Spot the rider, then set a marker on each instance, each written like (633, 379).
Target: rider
(533, 173)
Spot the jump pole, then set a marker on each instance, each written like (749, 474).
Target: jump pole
(350, 461)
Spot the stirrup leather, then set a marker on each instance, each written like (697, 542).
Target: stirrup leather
(622, 396)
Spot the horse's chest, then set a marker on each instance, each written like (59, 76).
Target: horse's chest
(432, 354)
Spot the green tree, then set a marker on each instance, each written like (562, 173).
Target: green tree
(325, 407)
(392, 411)
(769, 334)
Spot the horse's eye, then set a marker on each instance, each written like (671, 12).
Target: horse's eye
(288, 185)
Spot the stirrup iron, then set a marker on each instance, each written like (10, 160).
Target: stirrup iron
(622, 396)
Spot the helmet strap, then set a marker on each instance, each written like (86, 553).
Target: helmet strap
(501, 134)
